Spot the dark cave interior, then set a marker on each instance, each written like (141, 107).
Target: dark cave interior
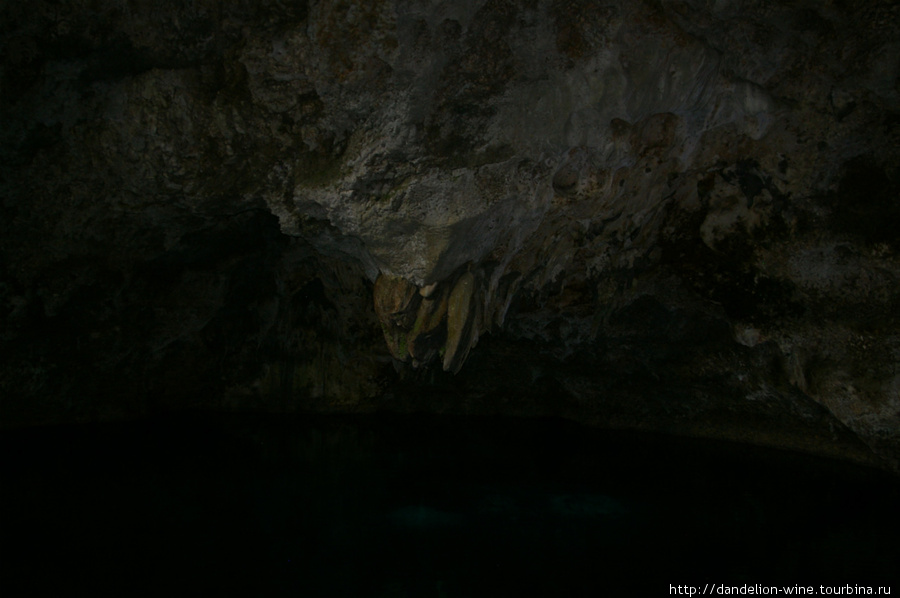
(448, 297)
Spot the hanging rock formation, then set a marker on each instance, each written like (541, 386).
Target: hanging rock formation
(675, 215)
(462, 322)
(421, 325)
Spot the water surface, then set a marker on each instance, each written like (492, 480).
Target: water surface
(424, 506)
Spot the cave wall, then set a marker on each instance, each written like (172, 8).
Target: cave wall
(680, 216)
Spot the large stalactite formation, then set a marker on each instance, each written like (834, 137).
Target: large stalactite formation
(673, 215)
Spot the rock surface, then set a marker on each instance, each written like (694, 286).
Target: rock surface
(671, 215)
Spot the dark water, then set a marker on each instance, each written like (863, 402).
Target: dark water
(423, 506)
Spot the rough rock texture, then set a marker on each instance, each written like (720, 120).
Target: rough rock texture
(671, 215)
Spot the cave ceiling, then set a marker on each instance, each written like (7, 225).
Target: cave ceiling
(680, 216)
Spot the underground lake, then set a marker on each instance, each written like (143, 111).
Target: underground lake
(416, 505)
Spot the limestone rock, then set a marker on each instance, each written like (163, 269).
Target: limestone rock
(462, 321)
(396, 303)
(428, 335)
(269, 205)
